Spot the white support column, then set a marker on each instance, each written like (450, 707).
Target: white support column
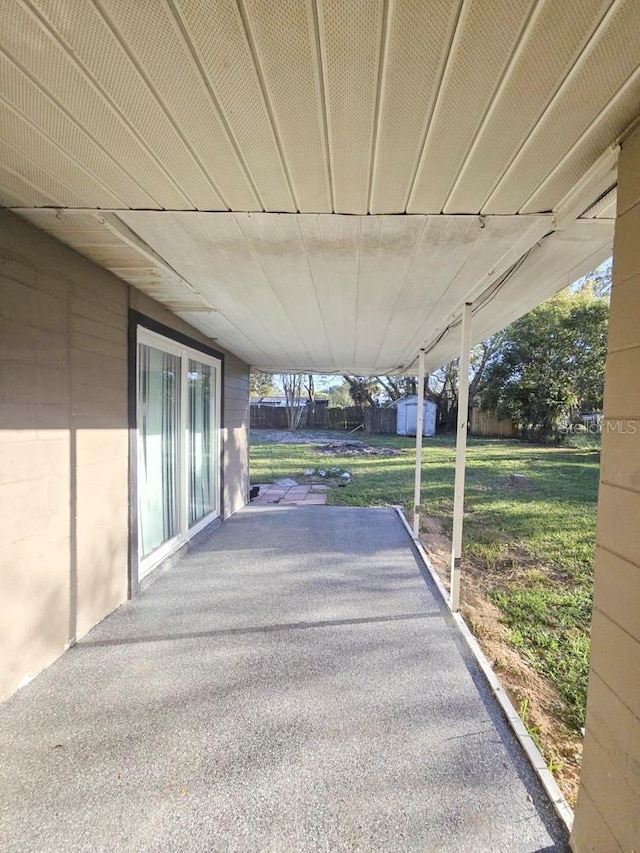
(461, 447)
(419, 431)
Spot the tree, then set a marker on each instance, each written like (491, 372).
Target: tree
(441, 386)
(311, 404)
(396, 387)
(442, 389)
(338, 395)
(599, 281)
(363, 390)
(292, 385)
(261, 384)
(549, 365)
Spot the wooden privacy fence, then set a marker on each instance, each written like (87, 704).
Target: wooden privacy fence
(268, 417)
(489, 425)
(373, 420)
(381, 420)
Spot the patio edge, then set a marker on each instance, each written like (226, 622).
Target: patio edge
(560, 805)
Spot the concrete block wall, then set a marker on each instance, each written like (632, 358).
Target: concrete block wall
(608, 809)
(63, 449)
(64, 454)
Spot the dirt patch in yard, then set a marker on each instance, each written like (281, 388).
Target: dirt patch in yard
(534, 697)
(329, 442)
(283, 436)
(356, 448)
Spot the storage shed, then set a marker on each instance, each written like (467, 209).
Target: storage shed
(408, 416)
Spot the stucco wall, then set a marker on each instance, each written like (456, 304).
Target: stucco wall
(64, 445)
(608, 809)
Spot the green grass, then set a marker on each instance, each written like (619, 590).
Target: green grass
(538, 541)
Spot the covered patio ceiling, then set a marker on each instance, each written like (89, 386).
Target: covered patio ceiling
(322, 184)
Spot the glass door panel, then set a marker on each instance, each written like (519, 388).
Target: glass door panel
(158, 447)
(201, 444)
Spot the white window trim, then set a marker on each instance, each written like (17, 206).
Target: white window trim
(153, 339)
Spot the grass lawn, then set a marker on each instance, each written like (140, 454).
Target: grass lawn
(537, 540)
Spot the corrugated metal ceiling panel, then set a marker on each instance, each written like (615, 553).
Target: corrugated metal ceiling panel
(604, 68)
(51, 158)
(318, 105)
(417, 44)
(184, 96)
(559, 261)
(555, 40)
(389, 246)
(219, 39)
(469, 84)
(315, 105)
(32, 103)
(91, 237)
(351, 45)
(46, 61)
(104, 59)
(295, 93)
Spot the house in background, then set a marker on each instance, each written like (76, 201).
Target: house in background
(273, 402)
(317, 186)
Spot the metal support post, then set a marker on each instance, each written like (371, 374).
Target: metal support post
(461, 447)
(419, 431)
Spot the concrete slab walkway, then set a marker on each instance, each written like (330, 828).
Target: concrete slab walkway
(271, 493)
(290, 683)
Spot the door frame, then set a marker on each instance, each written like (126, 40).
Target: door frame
(146, 330)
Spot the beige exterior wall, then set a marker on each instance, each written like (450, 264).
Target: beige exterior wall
(64, 453)
(608, 808)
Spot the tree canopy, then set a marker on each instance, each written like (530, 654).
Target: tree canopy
(549, 365)
(261, 384)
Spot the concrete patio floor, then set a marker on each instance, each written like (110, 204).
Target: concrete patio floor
(271, 493)
(289, 683)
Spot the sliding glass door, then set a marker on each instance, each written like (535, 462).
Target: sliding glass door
(200, 429)
(178, 445)
(159, 377)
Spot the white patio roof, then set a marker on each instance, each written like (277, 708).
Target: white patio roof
(321, 184)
